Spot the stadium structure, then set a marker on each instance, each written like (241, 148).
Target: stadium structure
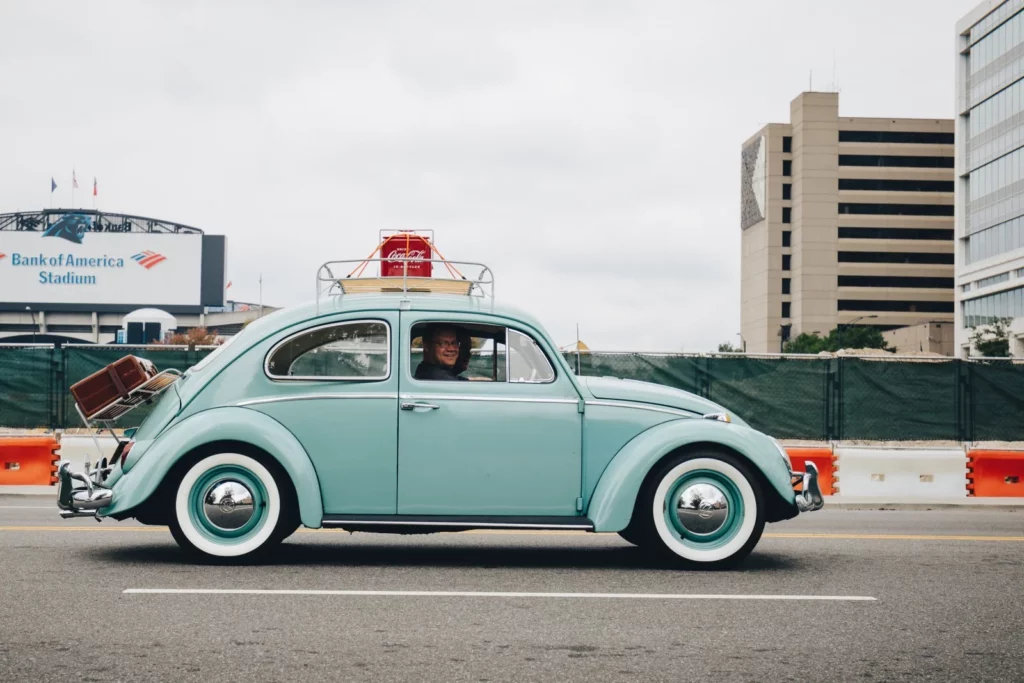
(78, 275)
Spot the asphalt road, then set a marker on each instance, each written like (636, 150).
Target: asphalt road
(947, 587)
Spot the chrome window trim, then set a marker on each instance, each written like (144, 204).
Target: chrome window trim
(313, 397)
(622, 404)
(340, 378)
(492, 399)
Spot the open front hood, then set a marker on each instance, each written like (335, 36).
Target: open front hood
(612, 389)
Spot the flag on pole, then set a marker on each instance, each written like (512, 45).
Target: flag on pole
(94, 190)
(229, 285)
(53, 184)
(74, 179)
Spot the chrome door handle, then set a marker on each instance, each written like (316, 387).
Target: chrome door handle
(417, 406)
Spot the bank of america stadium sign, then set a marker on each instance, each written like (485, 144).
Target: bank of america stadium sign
(74, 259)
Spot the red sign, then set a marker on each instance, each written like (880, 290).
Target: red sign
(402, 247)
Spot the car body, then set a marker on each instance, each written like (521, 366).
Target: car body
(312, 415)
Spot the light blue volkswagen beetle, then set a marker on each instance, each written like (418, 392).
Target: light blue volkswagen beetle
(337, 414)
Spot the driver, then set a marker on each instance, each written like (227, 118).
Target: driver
(441, 344)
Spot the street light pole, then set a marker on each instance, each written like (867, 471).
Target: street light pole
(743, 341)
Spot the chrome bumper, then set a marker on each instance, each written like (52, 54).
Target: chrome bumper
(82, 501)
(809, 498)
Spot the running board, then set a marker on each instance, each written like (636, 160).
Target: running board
(460, 521)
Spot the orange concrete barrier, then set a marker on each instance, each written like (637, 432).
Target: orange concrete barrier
(28, 460)
(824, 460)
(995, 474)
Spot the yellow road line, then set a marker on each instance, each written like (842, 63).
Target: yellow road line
(534, 532)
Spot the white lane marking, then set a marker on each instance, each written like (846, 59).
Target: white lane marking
(28, 507)
(488, 594)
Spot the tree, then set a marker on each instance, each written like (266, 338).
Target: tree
(805, 343)
(853, 337)
(196, 336)
(726, 347)
(993, 341)
(856, 337)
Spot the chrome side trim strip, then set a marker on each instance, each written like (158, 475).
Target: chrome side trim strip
(313, 397)
(637, 406)
(471, 525)
(493, 399)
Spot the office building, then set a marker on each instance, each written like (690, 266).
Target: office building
(990, 170)
(845, 221)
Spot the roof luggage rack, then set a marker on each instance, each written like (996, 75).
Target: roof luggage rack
(405, 261)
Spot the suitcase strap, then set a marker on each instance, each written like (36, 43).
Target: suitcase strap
(116, 379)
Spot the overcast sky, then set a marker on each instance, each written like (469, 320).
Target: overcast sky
(588, 151)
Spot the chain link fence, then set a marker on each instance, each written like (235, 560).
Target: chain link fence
(789, 397)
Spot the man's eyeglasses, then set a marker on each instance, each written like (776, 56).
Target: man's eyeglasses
(447, 343)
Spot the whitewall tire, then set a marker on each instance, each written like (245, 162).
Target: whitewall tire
(229, 505)
(703, 509)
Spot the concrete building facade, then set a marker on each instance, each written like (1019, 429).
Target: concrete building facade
(990, 171)
(845, 221)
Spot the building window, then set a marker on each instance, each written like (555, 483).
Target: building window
(999, 239)
(994, 280)
(785, 309)
(985, 309)
(787, 144)
(1019, 272)
(895, 306)
(787, 190)
(787, 214)
(883, 185)
(965, 288)
(787, 167)
(895, 281)
(894, 161)
(894, 257)
(787, 238)
(786, 261)
(895, 137)
(897, 209)
(896, 234)
(786, 285)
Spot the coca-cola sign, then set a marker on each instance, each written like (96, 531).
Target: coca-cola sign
(396, 251)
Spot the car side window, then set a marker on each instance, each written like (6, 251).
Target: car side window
(477, 352)
(356, 350)
(526, 361)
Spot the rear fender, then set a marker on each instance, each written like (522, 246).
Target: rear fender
(611, 506)
(148, 463)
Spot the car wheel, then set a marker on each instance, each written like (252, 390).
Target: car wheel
(230, 505)
(704, 509)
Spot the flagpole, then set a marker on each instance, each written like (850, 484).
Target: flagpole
(261, 295)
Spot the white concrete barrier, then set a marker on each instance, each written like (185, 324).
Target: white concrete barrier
(902, 473)
(79, 449)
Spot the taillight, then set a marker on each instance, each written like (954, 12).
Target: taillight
(124, 453)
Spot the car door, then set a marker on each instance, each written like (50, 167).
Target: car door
(334, 385)
(496, 447)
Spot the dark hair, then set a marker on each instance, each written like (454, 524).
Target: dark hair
(431, 331)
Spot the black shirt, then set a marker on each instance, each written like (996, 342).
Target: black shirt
(429, 371)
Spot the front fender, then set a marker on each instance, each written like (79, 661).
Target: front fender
(611, 506)
(146, 467)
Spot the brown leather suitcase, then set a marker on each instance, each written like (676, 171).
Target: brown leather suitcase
(101, 389)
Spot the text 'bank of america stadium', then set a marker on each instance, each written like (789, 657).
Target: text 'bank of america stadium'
(77, 275)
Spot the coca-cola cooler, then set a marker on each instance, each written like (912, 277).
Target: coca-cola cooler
(405, 245)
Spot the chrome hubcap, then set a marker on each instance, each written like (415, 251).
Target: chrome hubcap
(229, 505)
(701, 508)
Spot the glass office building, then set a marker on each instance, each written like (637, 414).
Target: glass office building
(990, 170)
